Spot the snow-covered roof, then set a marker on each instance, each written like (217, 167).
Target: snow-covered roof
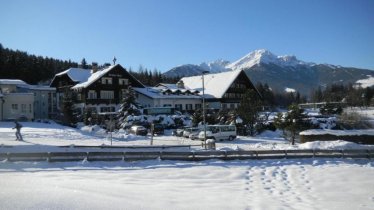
(39, 87)
(158, 93)
(93, 77)
(215, 84)
(12, 82)
(77, 74)
(167, 85)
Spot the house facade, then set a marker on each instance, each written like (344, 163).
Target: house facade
(169, 95)
(14, 104)
(21, 100)
(221, 90)
(97, 90)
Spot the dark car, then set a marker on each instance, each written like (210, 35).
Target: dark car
(138, 130)
(158, 129)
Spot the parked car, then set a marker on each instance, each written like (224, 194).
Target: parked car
(158, 129)
(179, 131)
(219, 132)
(188, 131)
(194, 135)
(138, 130)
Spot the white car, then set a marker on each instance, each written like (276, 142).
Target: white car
(219, 132)
(188, 131)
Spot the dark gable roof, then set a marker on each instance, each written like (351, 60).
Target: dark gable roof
(83, 77)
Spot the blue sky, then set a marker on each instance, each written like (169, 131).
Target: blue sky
(165, 33)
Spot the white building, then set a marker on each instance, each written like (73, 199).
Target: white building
(15, 105)
(20, 100)
(169, 95)
(221, 91)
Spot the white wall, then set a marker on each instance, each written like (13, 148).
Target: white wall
(19, 99)
(145, 101)
(161, 102)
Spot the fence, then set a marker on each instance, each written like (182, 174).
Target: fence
(185, 156)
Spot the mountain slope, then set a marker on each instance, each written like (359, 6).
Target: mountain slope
(193, 70)
(281, 72)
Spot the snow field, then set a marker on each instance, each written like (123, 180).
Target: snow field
(267, 184)
(250, 184)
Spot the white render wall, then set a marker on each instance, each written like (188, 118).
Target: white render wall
(161, 102)
(19, 99)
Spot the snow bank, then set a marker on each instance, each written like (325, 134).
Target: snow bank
(338, 132)
(331, 145)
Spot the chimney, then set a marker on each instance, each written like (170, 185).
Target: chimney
(180, 84)
(94, 67)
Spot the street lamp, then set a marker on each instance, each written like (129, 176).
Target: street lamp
(204, 72)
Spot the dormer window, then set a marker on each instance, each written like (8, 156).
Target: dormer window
(123, 81)
(92, 94)
(106, 81)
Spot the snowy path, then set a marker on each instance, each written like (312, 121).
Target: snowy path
(268, 184)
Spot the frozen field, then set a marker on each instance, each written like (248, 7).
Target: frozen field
(253, 184)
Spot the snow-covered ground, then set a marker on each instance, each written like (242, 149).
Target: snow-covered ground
(213, 184)
(267, 184)
(40, 137)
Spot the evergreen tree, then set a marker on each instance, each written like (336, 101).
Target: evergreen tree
(69, 116)
(249, 109)
(293, 122)
(197, 117)
(128, 107)
(84, 63)
(29, 68)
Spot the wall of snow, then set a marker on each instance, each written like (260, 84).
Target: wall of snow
(358, 136)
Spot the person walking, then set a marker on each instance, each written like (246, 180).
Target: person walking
(18, 127)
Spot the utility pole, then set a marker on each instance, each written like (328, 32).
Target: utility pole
(204, 72)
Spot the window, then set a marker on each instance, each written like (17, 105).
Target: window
(106, 94)
(30, 108)
(106, 80)
(23, 108)
(197, 106)
(107, 109)
(15, 106)
(178, 107)
(167, 105)
(123, 82)
(229, 95)
(92, 94)
(188, 106)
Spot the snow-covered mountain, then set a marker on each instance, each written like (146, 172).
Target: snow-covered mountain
(266, 57)
(216, 66)
(279, 72)
(192, 70)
